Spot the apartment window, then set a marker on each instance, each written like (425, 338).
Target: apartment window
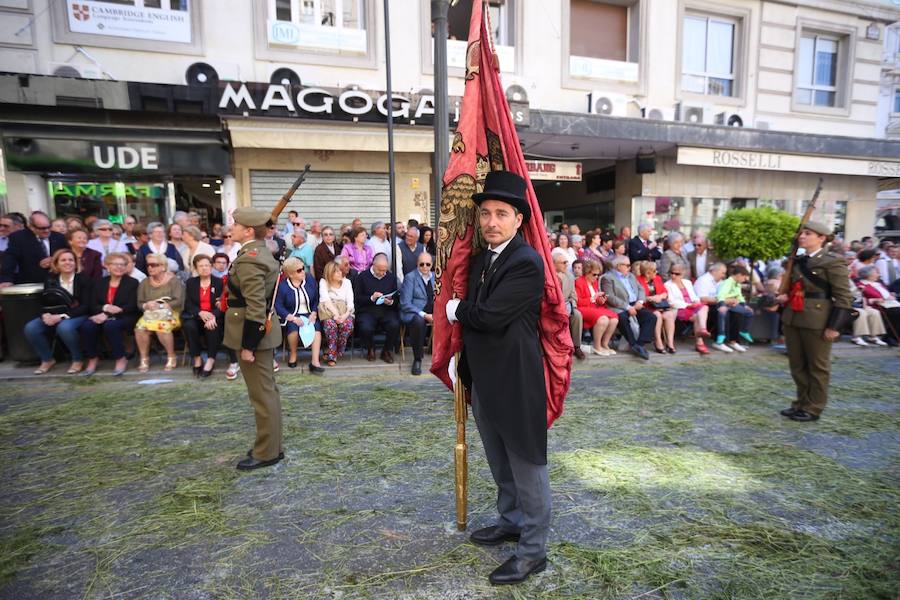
(896, 105)
(817, 71)
(330, 25)
(708, 56)
(502, 15)
(603, 40)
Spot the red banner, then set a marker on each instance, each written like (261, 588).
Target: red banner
(486, 140)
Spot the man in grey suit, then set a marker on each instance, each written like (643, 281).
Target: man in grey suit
(576, 327)
(626, 296)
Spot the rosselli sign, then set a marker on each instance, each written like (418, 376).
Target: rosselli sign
(773, 161)
(98, 157)
(277, 100)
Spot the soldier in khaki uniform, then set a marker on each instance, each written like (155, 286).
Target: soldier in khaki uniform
(817, 308)
(252, 280)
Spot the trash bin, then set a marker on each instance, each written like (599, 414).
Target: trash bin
(21, 303)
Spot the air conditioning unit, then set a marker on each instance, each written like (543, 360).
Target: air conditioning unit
(729, 119)
(610, 105)
(696, 115)
(58, 69)
(659, 113)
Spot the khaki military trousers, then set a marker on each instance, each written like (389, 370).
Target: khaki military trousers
(259, 376)
(809, 357)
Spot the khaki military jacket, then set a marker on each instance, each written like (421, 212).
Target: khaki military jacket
(816, 310)
(255, 273)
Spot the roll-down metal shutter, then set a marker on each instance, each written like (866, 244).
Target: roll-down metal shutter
(333, 198)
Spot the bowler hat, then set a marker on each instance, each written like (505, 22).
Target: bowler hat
(506, 187)
(251, 217)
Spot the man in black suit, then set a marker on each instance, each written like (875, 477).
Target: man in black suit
(27, 258)
(640, 247)
(502, 367)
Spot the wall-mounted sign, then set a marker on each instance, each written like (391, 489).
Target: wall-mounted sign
(114, 189)
(98, 17)
(771, 161)
(553, 170)
(304, 35)
(278, 100)
(126, 157)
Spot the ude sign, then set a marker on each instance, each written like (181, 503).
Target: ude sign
(126, 158)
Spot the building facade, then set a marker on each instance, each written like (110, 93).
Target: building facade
(666, 111)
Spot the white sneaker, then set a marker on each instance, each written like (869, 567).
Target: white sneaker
(232, 372)
(877, 341)
(859, 341)
(275, 366)
(723, 348)
(738, 347)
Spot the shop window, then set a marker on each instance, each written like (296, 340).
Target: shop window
(331, 25)
(821, 70)
(604, 40)
(708, 55)
(502, 15)
(144, 201)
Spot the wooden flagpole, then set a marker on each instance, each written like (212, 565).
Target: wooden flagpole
(460, 454)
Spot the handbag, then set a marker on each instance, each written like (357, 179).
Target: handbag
(325, 314)
(57, 301)
(661, 305)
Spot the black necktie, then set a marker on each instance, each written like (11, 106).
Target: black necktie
(429, 293)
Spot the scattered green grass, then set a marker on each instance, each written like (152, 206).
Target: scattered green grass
(669, 482)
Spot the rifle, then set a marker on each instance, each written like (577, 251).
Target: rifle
(795, 244)
(276, 212)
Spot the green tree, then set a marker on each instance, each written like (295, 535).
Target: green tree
(755, 233)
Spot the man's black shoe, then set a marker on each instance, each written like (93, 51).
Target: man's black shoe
(493, 536)
(417, 367)
(639, 350)
(280, 454)
(516, 570)
(250, 463)
(804, 417)
(789, 412)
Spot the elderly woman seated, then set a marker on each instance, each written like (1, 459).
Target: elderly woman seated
(658, 302)
(296, 303)
(688, 305)
(336, 309)
(66, 302)
(202, 319)
(592, 305)
(114, 312)
(161, 298)
(674, 256)
(876, 295)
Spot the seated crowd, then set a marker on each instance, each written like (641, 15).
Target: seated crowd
(106, 282)
(658, 290)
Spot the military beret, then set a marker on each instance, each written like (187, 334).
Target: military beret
(251, 217)
(818, 227)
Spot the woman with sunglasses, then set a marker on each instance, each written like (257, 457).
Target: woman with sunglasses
(596, 316)
(104, 242)
(161, 298)
(688, 305)
(296, 302)
(229, 246)
(325, 252)
(114, 311)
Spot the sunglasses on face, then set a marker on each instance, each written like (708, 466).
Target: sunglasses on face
(424, 264)
(675, 272)
(47, 228)
(104, 228)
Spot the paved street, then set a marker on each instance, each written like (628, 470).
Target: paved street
(674, 479)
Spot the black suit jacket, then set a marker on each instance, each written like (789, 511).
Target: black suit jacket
(125, 298)
(83, 289)
(23, 255)
(638, 251)
(192, 295)
(502, 350)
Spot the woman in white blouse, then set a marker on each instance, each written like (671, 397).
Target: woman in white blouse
(336, 308)
(687, 303)
(192, 237)
(104, 242)
(563, 244)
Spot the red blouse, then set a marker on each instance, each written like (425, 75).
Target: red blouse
(206, 298)
(111, 294)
